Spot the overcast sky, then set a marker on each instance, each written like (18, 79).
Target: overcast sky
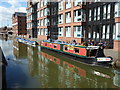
(7, 8)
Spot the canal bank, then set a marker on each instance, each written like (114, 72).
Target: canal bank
(3, 64)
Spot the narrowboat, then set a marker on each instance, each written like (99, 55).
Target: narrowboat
(88, 54)
(28, 42)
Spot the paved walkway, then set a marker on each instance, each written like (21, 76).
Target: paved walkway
(114, 54)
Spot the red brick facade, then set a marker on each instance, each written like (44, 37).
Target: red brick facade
(19, 24)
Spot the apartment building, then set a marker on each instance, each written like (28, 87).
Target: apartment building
(42, 19)
(19, 23)
(56, 20)
(74, 20)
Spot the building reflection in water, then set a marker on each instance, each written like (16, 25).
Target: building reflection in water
(20, 50)
(56, 71)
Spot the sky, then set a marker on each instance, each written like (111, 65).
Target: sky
(7, 8)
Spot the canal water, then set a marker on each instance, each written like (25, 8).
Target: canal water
(33, 67)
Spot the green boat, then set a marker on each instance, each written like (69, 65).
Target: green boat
(88, 54)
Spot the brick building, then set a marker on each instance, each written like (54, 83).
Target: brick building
(74, 19)
(19, 23)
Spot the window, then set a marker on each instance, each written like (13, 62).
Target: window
(68, 17)
(76, 50)
(45, 31)
(114, 31)
(104, 12)
(117, 9)
(108, 14)
(66, 48)
(78, 15)
(90, 15)
(42, 31)
(78, 31)
(68, 31)
(68, 4)
(45, 12)
(42, 22)
(89, 35)
(60, 19)
(94, 13)
(60, 6)
(108, 31)
(103, 33)
(60, 31)
(45, 22)
(45, 2)
(78, 2)
(98, 16)
(94, 34)
(38, 31)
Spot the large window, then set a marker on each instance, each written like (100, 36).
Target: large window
(94, 13)
(45, 31)
(45, 12)
(60, 5)
(39, 32)
(108, 32)
(117, 9)
(78, 31)
(94, 34)
(77, 2)
(68, 31)
(45, 22)
(42, 31)
(38, 14)
(68, 17)
(114, 31)
(104, 12)
(98, 14)
(103, 32)
(78, 15)
(60, 31)
(45, 2)
(68, 4)
(90, 13)
(41, 22)
(60, 18)
(108, 13)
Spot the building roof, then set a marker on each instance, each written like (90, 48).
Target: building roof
(19, 14)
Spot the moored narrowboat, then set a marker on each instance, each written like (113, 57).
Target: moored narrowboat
(88, 54)
(28, 42)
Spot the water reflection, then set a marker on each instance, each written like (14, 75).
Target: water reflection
(20, 50)
(47, 69)
(66, 73)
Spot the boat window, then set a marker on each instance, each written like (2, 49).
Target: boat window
(66, 48)
(76, 50)
(45, 44)
(55, 46)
